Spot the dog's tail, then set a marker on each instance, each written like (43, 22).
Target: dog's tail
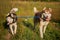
(35, 10)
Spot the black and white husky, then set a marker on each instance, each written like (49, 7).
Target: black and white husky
(12, 20)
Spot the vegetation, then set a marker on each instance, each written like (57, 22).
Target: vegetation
(25, 29)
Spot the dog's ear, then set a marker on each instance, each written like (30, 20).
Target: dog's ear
(44, 8)
(35, 10)
(50, 9)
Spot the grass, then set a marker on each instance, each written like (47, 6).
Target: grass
(25, 29)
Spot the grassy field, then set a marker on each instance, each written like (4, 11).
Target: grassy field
(25, 29)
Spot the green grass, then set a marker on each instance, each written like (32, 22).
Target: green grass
(25, 29)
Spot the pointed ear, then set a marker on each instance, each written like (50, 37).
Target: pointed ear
(35, 10)
(50, 9)
(44, 8)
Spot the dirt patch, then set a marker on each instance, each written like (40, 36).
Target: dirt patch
(8, 36)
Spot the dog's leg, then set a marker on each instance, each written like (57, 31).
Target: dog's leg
(41, 29)
(35, 23)
(11, 28)
(15, 28)
(45, 26)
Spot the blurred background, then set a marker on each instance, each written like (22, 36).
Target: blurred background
(25, 29)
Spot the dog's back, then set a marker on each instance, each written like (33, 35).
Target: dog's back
(37, 16)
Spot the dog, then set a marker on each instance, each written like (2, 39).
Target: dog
(11, 19)
(43, 17)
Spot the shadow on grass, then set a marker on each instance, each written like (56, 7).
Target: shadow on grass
(8, 29)
(28, 24)
(5, 25)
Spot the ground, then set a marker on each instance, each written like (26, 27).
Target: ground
(25, 29)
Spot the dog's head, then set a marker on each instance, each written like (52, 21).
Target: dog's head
(47, 10)
(13, 10)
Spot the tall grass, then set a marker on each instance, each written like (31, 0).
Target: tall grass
(25, 31)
